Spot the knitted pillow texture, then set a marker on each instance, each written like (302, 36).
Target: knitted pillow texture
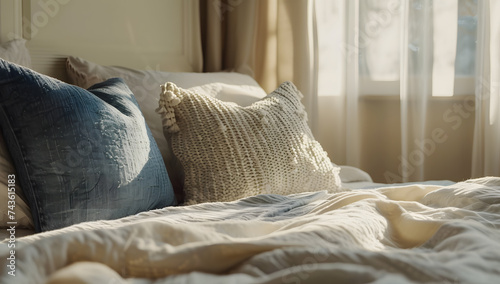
(229, 152)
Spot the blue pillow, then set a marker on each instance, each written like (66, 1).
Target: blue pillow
(80, 155)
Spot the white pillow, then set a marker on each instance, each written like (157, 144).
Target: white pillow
(353, 174)
(229, 152)
(227, 86)
(14, 51)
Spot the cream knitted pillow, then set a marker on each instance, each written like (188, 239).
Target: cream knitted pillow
(230, 152)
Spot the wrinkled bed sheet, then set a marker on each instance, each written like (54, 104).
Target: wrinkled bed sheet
(405, 234)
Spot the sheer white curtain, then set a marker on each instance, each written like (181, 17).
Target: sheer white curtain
(417, 56)
(416, 45)
(486, 152)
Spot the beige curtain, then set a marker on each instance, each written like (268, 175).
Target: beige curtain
(271, 40)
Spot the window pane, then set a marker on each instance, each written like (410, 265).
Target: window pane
(331, 28)
(466, 40)
(444, 44)
(379, 37)
(453, 24)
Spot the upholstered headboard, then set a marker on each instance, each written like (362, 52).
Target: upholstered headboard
(152, 34)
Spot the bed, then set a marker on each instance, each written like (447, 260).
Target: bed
(122, 163)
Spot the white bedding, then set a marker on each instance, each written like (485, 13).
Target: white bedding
(409, 234)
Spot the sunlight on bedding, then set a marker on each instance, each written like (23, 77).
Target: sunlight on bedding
(410, 234)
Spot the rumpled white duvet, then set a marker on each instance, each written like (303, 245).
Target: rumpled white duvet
(409, 234)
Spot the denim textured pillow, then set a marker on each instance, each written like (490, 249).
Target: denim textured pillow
(80, 155)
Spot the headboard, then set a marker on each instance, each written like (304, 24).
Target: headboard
(147, 34)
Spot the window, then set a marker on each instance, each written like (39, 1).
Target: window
(369, 34)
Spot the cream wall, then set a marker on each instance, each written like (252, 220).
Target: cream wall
(10, 15)
(448, 156)
(162, 35)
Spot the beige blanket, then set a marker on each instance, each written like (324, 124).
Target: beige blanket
(411, 234)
